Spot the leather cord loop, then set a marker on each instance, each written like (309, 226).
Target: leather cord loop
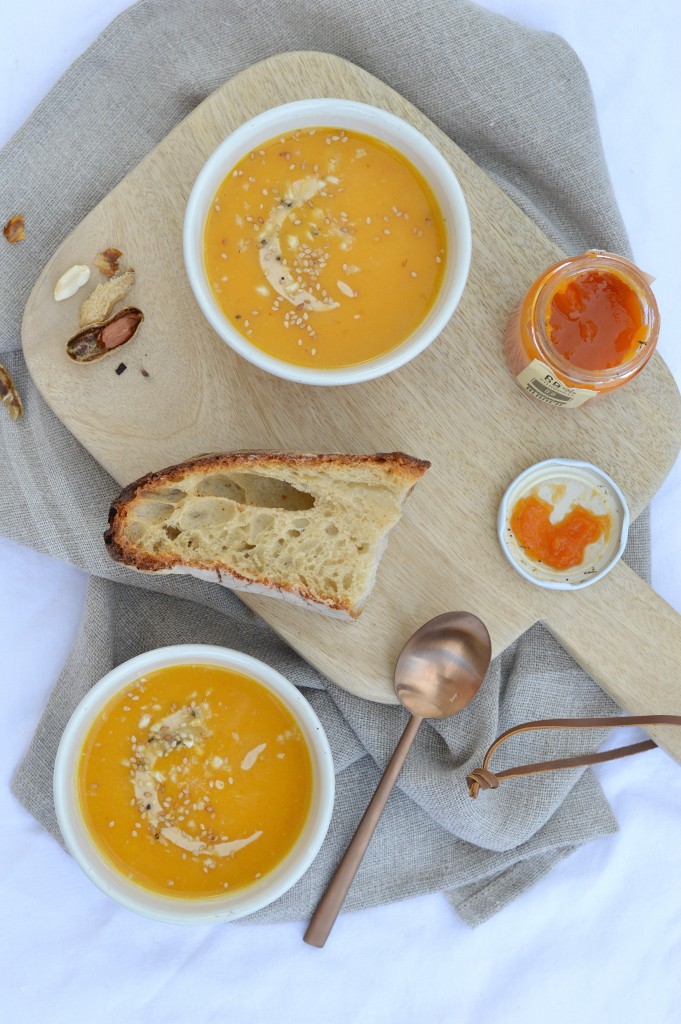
(483, 778)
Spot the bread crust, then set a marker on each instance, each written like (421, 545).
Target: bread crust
(408, 468)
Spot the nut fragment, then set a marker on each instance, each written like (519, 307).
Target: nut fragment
(95, 342)
(107, 262)
(9, 394)
(70, 281)
(98, 305)
(14, 229)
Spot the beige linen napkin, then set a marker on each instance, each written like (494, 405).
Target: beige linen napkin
(519, 103)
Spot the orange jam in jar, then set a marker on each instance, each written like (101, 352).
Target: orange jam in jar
(586, 326)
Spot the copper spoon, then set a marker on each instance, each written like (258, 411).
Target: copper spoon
(440, 669)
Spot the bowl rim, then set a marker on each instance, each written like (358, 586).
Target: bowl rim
(322, 111)
(515, 485)
(183, 910)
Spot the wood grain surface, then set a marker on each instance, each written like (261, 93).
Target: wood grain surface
(456, 405)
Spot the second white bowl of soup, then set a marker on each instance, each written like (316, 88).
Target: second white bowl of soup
(327, 241)
(194, 784)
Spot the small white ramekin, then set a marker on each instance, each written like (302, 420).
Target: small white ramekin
(202, 910)
(347, 114)
(560, 470)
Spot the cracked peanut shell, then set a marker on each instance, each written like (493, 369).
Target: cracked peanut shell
(95, 342)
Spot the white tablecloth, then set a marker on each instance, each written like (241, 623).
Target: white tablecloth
(598, 939)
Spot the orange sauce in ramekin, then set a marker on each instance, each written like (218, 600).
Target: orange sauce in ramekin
(559, 545)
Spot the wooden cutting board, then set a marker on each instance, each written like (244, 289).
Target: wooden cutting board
(456, 405)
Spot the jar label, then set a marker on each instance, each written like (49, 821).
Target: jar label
(540, 382)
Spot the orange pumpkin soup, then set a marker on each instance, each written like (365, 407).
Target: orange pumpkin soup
(194, 780)
(325, 248)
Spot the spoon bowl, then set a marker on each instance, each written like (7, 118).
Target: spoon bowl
(439, 671)
(441, 667)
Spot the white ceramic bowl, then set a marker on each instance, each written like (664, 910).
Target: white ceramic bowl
(575, 474)
(372, 121)
(202, 910)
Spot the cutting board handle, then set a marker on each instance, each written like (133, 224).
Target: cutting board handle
(596, 624)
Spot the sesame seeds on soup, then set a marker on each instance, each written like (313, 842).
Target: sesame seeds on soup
(195, 780)
(325, 248)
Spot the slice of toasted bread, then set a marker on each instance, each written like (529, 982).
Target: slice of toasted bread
(307, 528)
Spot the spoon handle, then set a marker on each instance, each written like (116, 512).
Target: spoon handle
(331, 902)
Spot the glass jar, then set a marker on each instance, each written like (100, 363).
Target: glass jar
(577, 296)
